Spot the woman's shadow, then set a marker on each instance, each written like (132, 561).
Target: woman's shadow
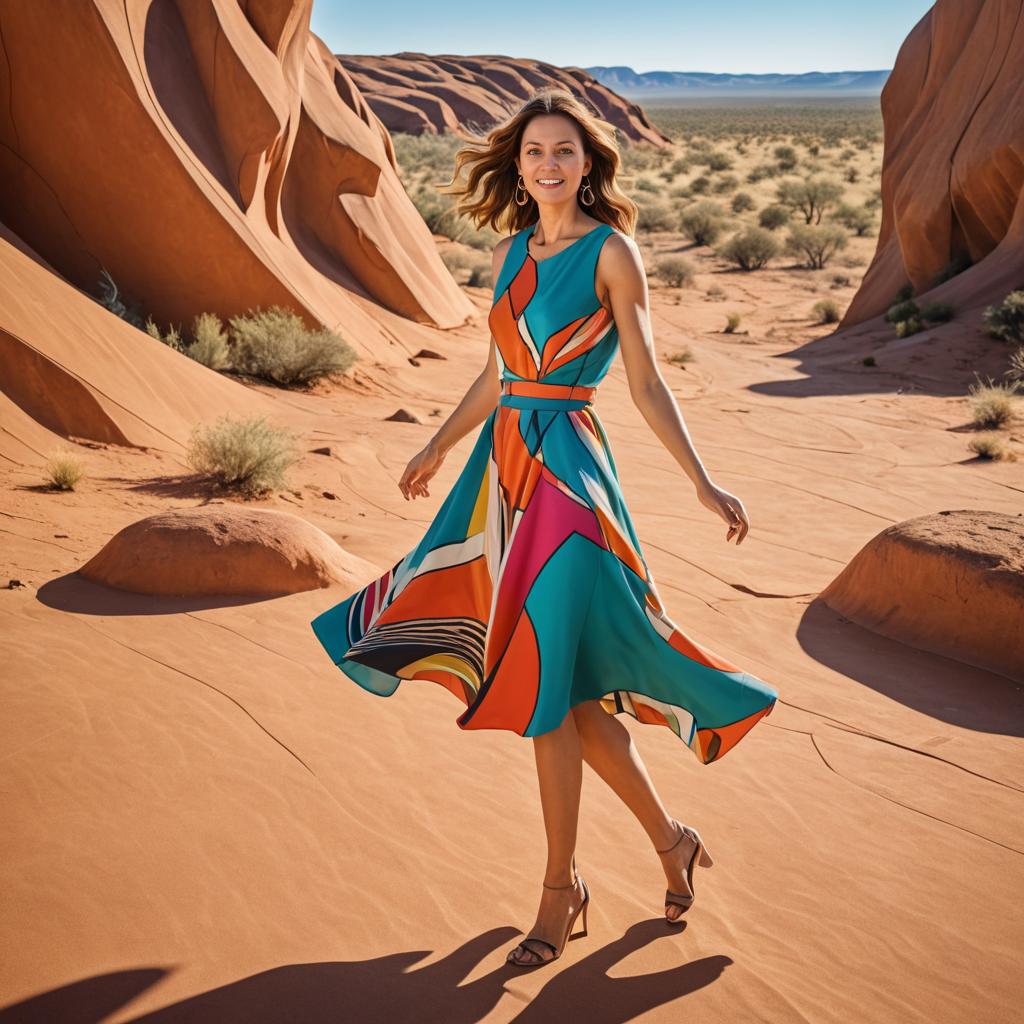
(391, 989)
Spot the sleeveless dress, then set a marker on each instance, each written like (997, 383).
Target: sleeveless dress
(529, 592)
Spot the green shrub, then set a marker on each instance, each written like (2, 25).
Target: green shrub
(750, 249)
(826, 311)
(904, 328)
(772, 217)
(815, 243)
(248, 455)
(785, 157)
(1005, 320)
(275, 345)
(858, 219)
(905, 292)
(811, 196)
(172, 339)
(957, 265)
(64, 470)
(937, 312)
(675, 271)
(901, 311)
(703, 222)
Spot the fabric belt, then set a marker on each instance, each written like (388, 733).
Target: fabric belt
(543, 390)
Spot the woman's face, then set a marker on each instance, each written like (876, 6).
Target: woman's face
(552, 151)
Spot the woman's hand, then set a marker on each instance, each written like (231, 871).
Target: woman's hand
(421, 468)
(729, 507)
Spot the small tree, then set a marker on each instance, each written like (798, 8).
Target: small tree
(750, 249)
(816, 243)
(811, 196)
(772, 217)
(702, 223)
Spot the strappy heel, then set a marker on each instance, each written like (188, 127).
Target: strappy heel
(700, 856)
(556, 950)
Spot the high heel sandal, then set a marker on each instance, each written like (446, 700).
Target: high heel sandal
(700, 855)
(556, 950)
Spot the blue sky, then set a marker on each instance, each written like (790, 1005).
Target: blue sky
(757, 36)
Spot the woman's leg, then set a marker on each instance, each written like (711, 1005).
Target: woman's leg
(608, 748)
(560, 776)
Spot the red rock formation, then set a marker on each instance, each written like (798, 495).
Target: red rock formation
(212, 155)
(223, 549)
(950, 582)
(953, 163)
(417, 92)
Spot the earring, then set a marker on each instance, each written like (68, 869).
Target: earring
(526, 195)
(583, 191)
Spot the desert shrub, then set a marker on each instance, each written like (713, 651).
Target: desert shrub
(957, 265)
(858, 219)
(675, 271)
(682, 357)
(992, 404)
(63, 470)
(852, 175)
(732, 323)
(276, 345)
(810, 196)
(700, 185)
(772, 217)
(903, 293)
(815, 243)
(826, 311)
(1015, 371)
(937, 312)
(172, 338)
(869, 361)
(741, 202)
(719, 162)
(761, 171)
(785, 157)
(249, 455)
(703, 222)
(750, 249)
(726, 183)
(655, 215)
(715, 292)
(209, 342)
(901, 311)
(840, 280)
(681, 165)
(988, 446)
(904, 328)
(1005, 320)
(646, 185)
(111, 299)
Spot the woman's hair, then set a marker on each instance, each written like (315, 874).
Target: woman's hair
(493, 174)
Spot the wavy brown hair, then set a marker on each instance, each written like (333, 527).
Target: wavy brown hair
(487, 196)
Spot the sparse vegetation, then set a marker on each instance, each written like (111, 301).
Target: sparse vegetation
(703, 222)
(992, 405)
(63, 470)
(209, 342)
(654, 215)
(248, 455)
(990, 446)
(1005, 320)
(811, 197)
(815, 243)
(773, 217)
(750, 249)
(675, 271)
(682, 357)
(741, 202)
(276, 345)
(732, 323)
(826, 311)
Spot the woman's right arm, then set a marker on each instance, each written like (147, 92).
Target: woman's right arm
(476, 405)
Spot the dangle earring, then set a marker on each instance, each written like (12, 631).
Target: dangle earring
(586, 187)
(526, 195)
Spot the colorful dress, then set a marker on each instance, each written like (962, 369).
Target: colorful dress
(529, 592)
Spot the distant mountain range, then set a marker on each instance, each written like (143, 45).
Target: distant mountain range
(671, 84)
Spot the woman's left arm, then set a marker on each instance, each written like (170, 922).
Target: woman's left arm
(621, 271)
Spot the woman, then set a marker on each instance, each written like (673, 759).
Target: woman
(529, 597)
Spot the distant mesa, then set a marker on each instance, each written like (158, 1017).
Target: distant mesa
(681, 85)
(224, 550)
(949, 582)
(953, 164)
(452, 94)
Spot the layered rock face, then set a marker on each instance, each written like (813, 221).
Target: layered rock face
(211, 155)
(418, 92)
(953, 163)
(950, 582)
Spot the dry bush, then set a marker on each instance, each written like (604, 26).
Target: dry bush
(248, 455)
(63, 470)
(732, 323)
(992, 404)
(1006, 319)
(276, 345)
(681, 357)
(209, 342)
(703, 222)
(750, 249)
(826, 311)
(990, 446)
(675, 271)
(816, 243)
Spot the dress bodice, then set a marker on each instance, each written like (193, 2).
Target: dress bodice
(547, 321)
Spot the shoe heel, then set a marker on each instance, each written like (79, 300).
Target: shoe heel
(584, 907)
(705, 860)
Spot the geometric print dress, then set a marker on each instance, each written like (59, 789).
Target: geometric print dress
(529, 592)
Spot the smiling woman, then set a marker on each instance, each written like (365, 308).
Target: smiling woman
(529, 597)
